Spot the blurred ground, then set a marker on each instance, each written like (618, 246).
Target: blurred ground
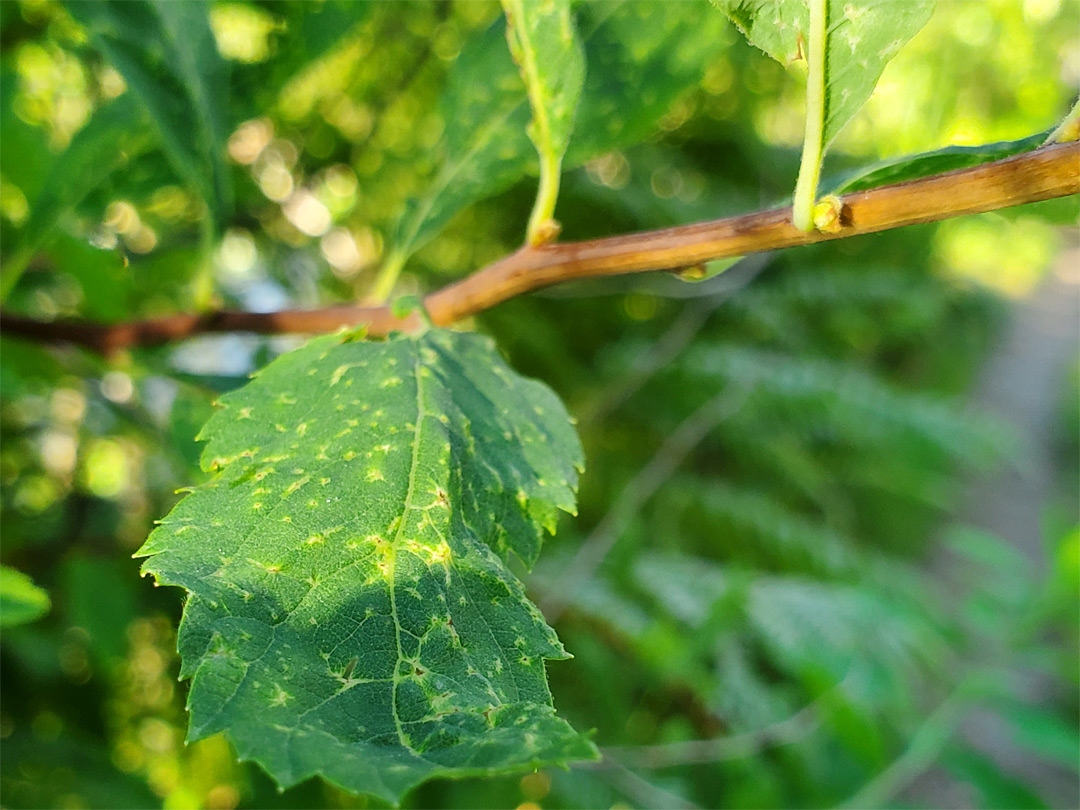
(1022, 384)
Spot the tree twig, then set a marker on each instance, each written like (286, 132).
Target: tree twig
(698, 752)
(1052, 171)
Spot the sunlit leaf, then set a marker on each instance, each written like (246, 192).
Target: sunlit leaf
(863, 35)
(167, 55)
(21, 601)
(351, 613)
(640, 57)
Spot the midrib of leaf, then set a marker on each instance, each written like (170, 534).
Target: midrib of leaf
(421, 414)
(533, 90)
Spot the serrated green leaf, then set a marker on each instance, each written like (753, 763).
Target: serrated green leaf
(167, 55)
(21, 601)
(545, 46)
(926, 164)
(116, 132)
(863, 35)
(351, 613)
(643, 56)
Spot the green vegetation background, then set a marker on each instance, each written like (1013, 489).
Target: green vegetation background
(777, 457)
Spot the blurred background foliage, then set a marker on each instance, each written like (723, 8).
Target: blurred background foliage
(775, 591)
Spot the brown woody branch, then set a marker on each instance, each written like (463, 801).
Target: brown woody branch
(1053, 171)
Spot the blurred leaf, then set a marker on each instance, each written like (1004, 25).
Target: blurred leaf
(167, 55)
(640, 57)
(36, 772)
(307, 31)
(859, 403)
(545, 46)
(99, 597)
(345, 573)
(21, 601)
(1045, 733)
(944, 160)
(755, 528)
(997, 790)
(708, 270)
(486, 148)
(114, 134)
(863, 35)
(105, 282)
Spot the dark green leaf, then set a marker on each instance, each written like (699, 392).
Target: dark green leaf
(351, 613)
(948, 159)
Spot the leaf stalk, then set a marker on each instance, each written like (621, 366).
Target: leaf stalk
(813, 139)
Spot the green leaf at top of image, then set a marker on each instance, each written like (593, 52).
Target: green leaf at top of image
(115, 133)
(546, 49)
(862, 36)
(951, 158)
(351, 612)
(167, 55)
(21, 601)
(643, 56)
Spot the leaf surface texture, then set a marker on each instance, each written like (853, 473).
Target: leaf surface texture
(351, 613)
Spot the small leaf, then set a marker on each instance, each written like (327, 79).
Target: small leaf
(545, 46)
(351, 613)
(21, 601)
(167, 55)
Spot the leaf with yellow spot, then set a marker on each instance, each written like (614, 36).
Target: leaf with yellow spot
(351, 613)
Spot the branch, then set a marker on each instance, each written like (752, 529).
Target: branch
(1053, 171)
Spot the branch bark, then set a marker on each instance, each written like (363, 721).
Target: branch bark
(1052, 171)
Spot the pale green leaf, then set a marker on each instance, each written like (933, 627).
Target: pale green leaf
(167, 55)
(862, 36)
(21, 601)
(351, 613)
(644, 55)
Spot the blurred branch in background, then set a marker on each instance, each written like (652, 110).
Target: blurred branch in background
(649, 479)
(699, 752)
